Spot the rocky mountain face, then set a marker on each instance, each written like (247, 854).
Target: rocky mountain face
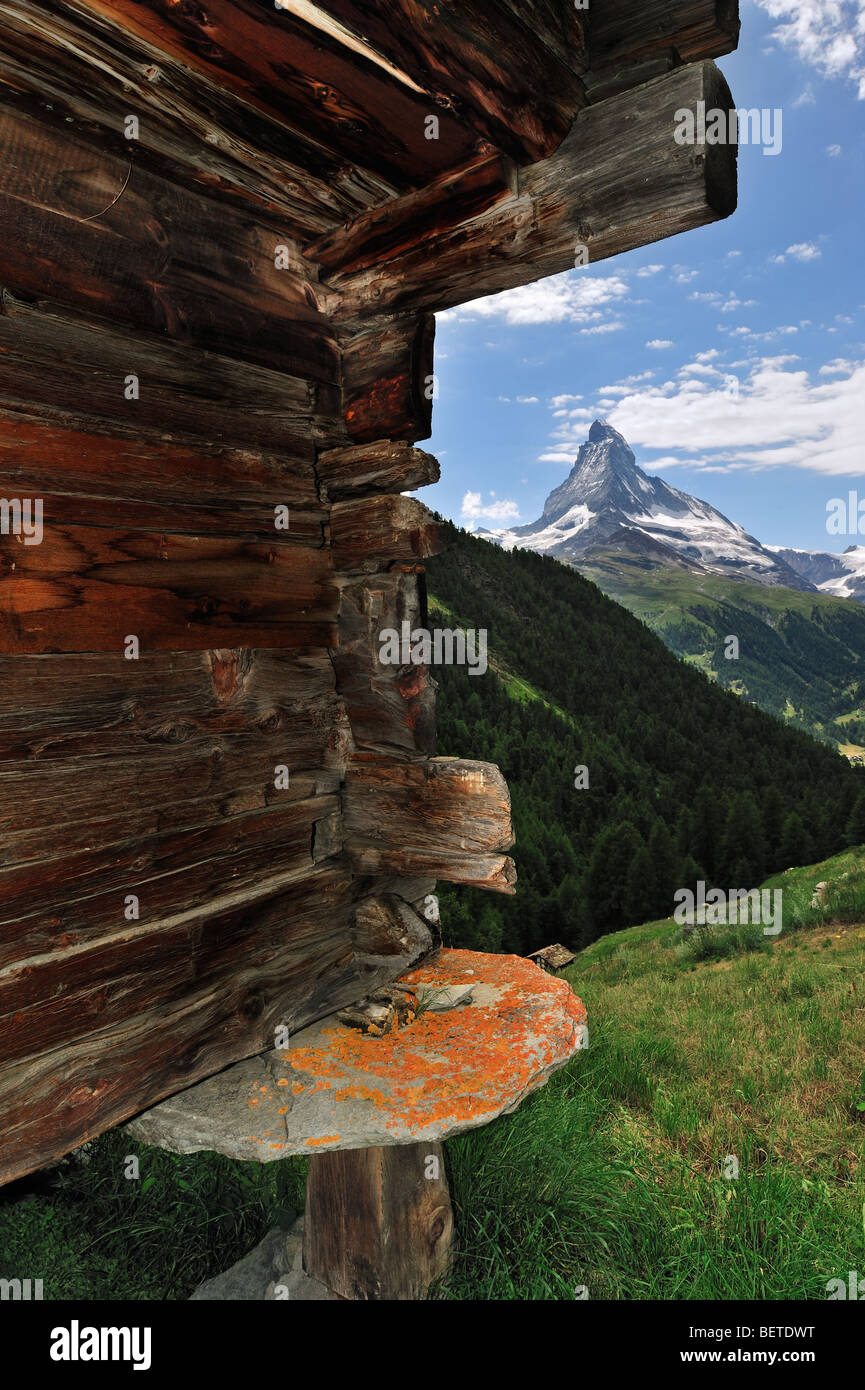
(608, 504)
(841, 575)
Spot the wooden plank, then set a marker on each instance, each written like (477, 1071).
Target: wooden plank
(618, 181)
(86, 589)
(309, 82)
(71, 368)
(511, 71)
(631, 41)
(190, 128)
(382, 466)
(64, 806)
(219, 987)
(391, 709)
(109, 479)
(444, 818)
(388, 379)
(386, 231)
(88, 229)
(373, 533)
(175, 873)
(96, 707)
(379, 1223)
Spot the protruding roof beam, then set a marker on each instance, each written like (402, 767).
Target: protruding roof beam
(618, 181)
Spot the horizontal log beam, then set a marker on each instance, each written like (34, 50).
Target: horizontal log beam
(317, 88)
(174, 873)
(111, 479)
(618, 181)
(190, 128)
(511, 71)
(95, 708)
(89, 230)
(631, 41)
(387, 231)
(373, 533)
(385, 465)
(169, 1007)
(443, 818)
(87, 589)
(68, 367)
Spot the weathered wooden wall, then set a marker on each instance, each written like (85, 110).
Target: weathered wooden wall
(229, 315)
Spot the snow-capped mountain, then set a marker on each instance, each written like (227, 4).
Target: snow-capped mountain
(841, 575)
(608, 503)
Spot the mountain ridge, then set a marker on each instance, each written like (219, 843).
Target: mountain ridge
(607, 493)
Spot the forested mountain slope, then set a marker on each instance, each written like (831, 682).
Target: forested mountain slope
(686, 780)
(801, 656)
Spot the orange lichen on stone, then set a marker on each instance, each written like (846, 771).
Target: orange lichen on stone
(457, 1068)
(327, 1139)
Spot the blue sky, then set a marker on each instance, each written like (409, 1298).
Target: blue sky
(774, 297)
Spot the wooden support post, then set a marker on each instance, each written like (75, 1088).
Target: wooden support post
(379, 1223)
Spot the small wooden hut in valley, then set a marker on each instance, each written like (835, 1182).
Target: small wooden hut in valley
(227, 227)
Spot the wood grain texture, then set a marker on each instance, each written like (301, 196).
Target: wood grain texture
(218, 987)
(67, 367)
(386, 231)
(314, 86)
(191, 129)
(631, 42)
(445, 818)
(373, 533)
(389, 380)
(93, 708)
(391, 709)
(86, 589)
(617, 181)
(511, 71)
(385, 465)
(81, 895)
(87, 228)
(379, 1223)
(110, 480)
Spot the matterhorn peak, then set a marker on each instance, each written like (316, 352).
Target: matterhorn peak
(607, 500)
(601, 430)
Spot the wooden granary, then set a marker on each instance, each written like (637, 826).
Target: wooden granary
(227, 227)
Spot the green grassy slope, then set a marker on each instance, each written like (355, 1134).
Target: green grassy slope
(618, 1176)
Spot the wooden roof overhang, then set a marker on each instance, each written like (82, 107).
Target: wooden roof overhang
(264, 256)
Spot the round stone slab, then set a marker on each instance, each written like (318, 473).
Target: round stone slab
(337, 1088)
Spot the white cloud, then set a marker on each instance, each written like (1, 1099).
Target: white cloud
(827, 35)
(683, 274)
(567, 298)
(833, 151)
(557, 456)
(781, 417)
(658, 344)
(474, 510)
(611, 326)
(803, 251)
(558, 401)
(528, 400)
(647, 270)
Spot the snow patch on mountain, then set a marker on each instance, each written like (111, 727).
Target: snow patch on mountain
(607, 497)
